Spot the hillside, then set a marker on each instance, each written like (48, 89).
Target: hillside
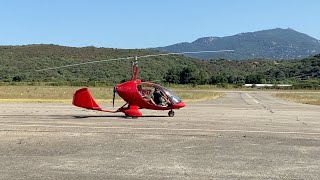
(269, 44)
(265, 71)
(18, 63)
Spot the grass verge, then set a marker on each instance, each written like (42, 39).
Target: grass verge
(303, 97)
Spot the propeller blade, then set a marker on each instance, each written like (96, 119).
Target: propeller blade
(114, 94)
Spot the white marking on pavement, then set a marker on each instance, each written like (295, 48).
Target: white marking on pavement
(253, 99)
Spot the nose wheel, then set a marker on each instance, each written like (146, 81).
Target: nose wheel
(171, 113)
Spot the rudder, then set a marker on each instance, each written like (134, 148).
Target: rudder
(83, 98)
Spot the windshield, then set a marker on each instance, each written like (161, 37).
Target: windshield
(173, 97)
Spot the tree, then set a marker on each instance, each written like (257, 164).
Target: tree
(203, 77)
(172, 76)
(18, 78)
(218, 79)
(187, 75)
(255, 79)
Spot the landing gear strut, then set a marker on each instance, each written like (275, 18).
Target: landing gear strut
(171, 113)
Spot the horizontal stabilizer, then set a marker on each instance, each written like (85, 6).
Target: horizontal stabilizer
(83, 98)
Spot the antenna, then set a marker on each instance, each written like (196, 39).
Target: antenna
(135, 62)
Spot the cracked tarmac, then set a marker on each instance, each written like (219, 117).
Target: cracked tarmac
(244, 135)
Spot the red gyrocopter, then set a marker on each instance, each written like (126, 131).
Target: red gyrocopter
(136, 94)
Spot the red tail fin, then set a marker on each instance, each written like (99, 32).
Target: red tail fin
(83, 98)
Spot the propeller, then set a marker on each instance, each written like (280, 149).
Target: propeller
(114, 94)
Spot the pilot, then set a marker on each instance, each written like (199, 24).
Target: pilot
(159, 98)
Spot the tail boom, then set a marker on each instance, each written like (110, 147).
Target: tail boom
(83, 98)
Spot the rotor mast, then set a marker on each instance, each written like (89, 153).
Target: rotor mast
(135, 68)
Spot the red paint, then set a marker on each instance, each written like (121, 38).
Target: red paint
(128, 91)
(83, 98)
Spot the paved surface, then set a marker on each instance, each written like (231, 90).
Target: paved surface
(245, 135)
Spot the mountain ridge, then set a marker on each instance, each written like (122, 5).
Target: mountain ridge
(275, 43)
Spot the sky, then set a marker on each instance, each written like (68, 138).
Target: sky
(147, 23)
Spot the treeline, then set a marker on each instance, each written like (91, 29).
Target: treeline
(19, 64)
(300, 73)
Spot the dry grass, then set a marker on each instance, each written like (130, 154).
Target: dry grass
(64, 94)
(196, 96)
(302, 97)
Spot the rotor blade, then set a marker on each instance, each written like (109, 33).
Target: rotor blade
(78, 64)
(151, 55)
(191, 52)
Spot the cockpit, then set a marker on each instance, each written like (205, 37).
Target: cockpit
(158, 95)
(171, 95)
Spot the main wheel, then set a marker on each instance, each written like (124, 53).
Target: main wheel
(171, 113)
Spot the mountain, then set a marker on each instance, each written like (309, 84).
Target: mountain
(271, 44)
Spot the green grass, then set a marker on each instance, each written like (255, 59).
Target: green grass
(64, 94)
(195, 96)
(301, 97)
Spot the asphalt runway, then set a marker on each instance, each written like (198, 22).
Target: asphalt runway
(244, 135)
